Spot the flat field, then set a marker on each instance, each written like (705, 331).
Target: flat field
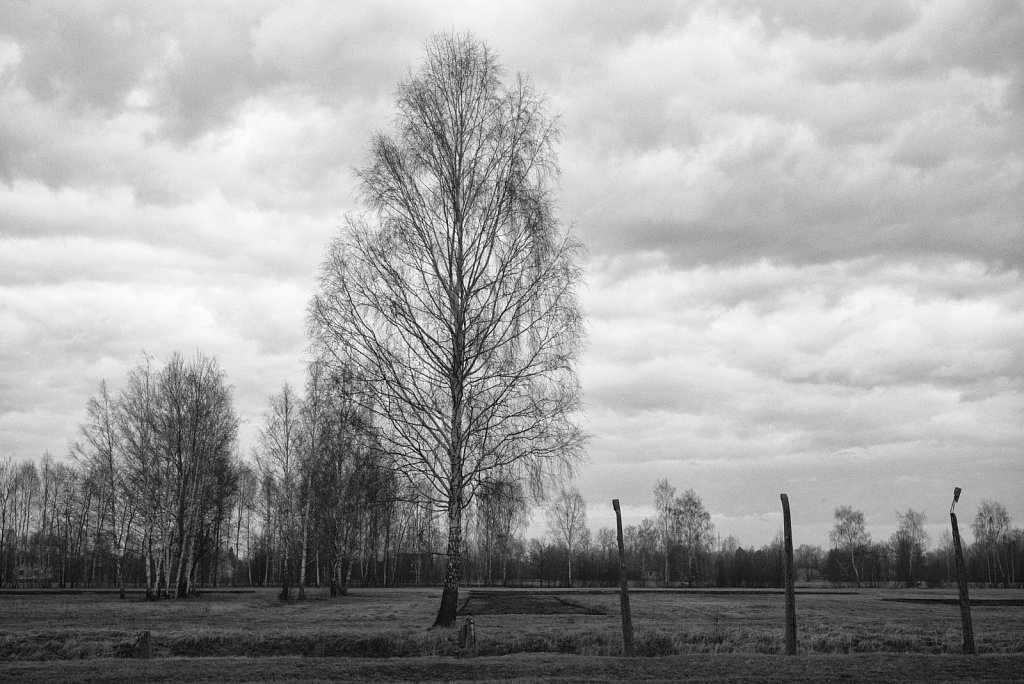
(522, 635)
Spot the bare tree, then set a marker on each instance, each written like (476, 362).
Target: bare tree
(145, 468)
(196, 428)
(246, 503)
(991, 527)
(454, 298)
(278, 456)
(567, 521)
(25, 487)
(664, 497)
(341, 464)
(946, 549)
(66, 490)
(908, 544)
(312, 419)
(501, 513)
(849, 535)
(7, 496)
(692, 523)
(102, 450)
(808, 557)
(643, 543)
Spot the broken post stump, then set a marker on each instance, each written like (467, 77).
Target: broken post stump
(467, 635)
(143, 647)
(627, 618)
(788, 579)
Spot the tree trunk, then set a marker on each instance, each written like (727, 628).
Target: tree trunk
(285, 594)
(266, 568)
(387, 553)
(216, 548)
(119, 573)
(147, 555)
(341, 574)
(305, 551)
(184, 558)
(163, 581)
(453, 574)
(187, 580)
(333, 579)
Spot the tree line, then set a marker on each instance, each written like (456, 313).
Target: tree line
(312, 506)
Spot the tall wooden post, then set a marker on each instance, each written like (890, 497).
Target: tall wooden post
(627, 618)
(788, 579)
(961, 580)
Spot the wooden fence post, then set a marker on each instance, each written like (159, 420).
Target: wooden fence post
(961, 580)
(627, 618)
(788, 579)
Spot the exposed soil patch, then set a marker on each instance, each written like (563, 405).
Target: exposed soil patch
(521, 603)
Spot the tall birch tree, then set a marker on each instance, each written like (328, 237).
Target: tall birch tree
(453, 296)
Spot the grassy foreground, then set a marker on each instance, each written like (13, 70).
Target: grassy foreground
(534, 667)
(521, 635)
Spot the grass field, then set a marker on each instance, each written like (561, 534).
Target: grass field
(521, 635)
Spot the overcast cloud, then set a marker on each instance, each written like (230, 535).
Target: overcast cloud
(805, 226)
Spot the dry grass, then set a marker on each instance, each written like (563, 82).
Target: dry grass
(532, 668)
(391, 624)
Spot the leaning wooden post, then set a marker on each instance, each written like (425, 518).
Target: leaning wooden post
(961, 580)
(787, 576)
(627, 618)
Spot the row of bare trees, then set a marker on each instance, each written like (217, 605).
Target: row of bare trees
(996, 558)
(57, 527)
(152, 469)
(161, 452)
(156, 493)
(327, 486)
(678, 547)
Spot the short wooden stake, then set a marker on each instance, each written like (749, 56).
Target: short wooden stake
(143, 647)
(961, 580)
(787, 576)
(627, 618)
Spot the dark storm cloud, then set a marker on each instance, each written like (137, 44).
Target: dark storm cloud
(749, 154)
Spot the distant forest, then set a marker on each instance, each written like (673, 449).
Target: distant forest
(155, 494)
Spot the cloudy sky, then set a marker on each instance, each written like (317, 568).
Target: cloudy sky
(804, 223)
